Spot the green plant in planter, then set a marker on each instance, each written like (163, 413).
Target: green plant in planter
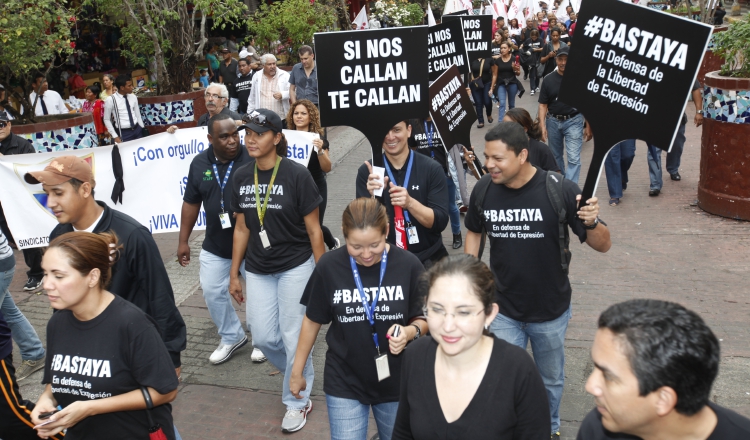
(30, 34)
(732, 45)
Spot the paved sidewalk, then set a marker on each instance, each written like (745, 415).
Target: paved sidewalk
(663, 247)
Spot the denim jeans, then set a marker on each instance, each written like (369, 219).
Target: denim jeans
(511, 90)
(214, 276)
(566, 135)
(616, 166)
(453, 213)
(547, 344)
(23, 332)
(349, 418)
(274, 316)
(673, 158)
(482, 100)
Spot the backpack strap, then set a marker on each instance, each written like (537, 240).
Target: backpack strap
(556, 198)
(480, 190)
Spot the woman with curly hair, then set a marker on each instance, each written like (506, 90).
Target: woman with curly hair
(304, 116)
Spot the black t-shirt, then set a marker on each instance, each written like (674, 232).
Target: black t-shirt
(242, 87)
(551, 63)
(202, 187)
(548, 95)
(525, 250)
(505, 73)
(510, 403)
(730, 426)
(203, 120)
(426, 185)
(229, 76)
(529, 45)
(486, 70)
(420, 142)
(331, 296)
(541, 156)
(495, 49)
(294, 195)
(116, 352)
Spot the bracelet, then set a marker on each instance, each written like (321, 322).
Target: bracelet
(419, 332)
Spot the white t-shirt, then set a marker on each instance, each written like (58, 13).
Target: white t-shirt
(93, 225)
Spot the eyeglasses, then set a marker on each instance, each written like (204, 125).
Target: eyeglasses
(439, 314)
(3, 124)
(214, 96)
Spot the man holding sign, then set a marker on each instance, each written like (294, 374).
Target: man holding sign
(525, 211)
(415, 196)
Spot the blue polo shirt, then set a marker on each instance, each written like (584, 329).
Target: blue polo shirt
(307, 86)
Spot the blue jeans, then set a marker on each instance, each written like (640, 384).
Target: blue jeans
(567, 135)
(349, 418)
(453, 213)
(673, 158)
(274, 316)
(482, 100)
(23, 332)
(616, 166)
(511, 89)
(548, 346)
(214, 276)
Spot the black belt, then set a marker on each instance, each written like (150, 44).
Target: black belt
(563, 117)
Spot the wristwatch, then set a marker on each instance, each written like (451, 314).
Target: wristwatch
(419, 332)
(700, 112)
(592, 225)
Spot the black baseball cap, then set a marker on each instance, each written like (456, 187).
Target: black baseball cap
(262, 120)
(4, 117)
(565, 50)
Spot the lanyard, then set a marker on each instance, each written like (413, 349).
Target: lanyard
(406, 180)
(429, 137)
(370, 311)
(223, 184)
(262, 211)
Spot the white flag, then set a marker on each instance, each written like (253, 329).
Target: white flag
(451, 6)
(361, 20)
(498, 8)
(430, 18)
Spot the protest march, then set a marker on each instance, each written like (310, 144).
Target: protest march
(410, 216)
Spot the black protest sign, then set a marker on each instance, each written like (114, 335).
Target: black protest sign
(477, 34)
(372, 79)
(451, 109)
(446, 46)
(630, 72)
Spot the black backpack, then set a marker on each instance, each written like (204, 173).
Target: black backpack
(555, 194)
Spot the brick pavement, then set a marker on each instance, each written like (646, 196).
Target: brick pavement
(663, 247)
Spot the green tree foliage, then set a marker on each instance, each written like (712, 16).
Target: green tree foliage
(291, 23)
(167, 32)
(732, 45)
(31, 33)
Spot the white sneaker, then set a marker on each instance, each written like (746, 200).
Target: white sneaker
(295, 419)
(225, 352)
(537, 89)
(532, 93)
(338, 244)
(258, 357)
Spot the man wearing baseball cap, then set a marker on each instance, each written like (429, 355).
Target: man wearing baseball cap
(228, 76)
(139, 275)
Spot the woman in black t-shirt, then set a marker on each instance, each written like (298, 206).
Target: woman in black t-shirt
(101, 350)
(533, 49)
(463, 382)
(304, 116)
(504, 76)
(481, 69)
(278, 237)
(353, 384)
(539, 153)
(549, 52)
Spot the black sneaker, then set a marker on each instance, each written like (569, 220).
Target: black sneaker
(457, 242)
(33, 284)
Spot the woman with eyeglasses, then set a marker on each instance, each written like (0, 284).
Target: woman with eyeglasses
(368, 292)
(304, 116)
(463, 382)
(278, 237)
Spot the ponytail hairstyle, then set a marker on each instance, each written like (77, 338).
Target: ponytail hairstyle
(523, 117)
(363, 213)
(87, 251)
(281, 147)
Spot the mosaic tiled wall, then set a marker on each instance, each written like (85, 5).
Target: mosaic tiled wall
(165, 113)
(727, 105)
(71, 138)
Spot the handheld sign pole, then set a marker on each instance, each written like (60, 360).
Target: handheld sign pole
(372, 79)
(630, 72)
(451, 109)
(446, 46)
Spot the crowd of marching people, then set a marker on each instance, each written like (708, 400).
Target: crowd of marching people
(433, 344)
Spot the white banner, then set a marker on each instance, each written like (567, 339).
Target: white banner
(155, 171)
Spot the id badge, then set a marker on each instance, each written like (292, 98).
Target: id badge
(226, 223)
(264, 239)
(381, 364)
(411, 234)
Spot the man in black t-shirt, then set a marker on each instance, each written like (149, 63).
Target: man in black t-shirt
(417, 198)
(244, 84)
(562, 126)
(654, 365)
(533, 290)
(228, 76)
(208, 182)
